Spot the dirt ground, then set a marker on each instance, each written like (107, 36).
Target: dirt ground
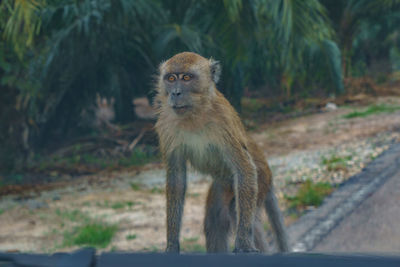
(134, 201)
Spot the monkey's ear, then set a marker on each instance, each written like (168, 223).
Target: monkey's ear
(215, 69)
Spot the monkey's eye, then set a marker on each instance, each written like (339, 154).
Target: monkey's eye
(186, 77)
(171, 78)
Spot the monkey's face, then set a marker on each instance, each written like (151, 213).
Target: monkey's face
(180, 88)
(187, 81)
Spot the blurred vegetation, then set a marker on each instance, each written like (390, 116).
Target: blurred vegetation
(309, 194)
(371, 110)
(94, 234)
(81, 230)
(136, 158)
(56, 55)
(193, 245)
(336, 163)
(131, 237)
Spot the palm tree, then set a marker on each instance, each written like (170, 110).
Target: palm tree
(351, 18)
(112, 47)
(273, 39)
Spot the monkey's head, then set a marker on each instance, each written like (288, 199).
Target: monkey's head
(187, 82)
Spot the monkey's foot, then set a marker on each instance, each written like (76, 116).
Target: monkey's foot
(172, 249)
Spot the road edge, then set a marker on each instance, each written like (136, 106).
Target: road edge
(312, 227)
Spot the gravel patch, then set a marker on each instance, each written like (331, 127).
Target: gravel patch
(300, 166)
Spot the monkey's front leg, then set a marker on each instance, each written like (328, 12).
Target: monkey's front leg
(246, 201)
(175, 190)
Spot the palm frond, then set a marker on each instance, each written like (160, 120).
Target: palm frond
(23, 23)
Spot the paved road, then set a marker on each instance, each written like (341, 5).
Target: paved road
(363, 215)
(374, 226)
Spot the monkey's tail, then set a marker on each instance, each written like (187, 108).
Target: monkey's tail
(276, 221)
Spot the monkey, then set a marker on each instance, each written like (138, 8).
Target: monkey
(197, 124)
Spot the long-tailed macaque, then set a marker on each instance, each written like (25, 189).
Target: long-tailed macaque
(197, 124)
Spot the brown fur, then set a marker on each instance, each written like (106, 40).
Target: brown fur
(212, 138)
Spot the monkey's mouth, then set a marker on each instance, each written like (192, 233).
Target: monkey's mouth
(181, 109)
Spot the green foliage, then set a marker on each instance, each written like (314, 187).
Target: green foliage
(309, 194)
(23, 22)
(152, 249)
(335, 163)
(57, 55)
(137, 158)
(150, 31)
(371, 110)
(251, 105)
(365, 29)
(86, 231)
(94, 234)
(118, 205)
(157, 190)
(73, 216)
(131, 237)
(192, 245)
(122, 205)
(1, 211)
(136, 186)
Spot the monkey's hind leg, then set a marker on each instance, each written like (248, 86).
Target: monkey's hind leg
(217, 222)
(260, 237)
(276, 220)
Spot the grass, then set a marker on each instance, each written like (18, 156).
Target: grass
(336, 163)
(251, 105)
(73, 216)
(1, 211)
(138, 157)
(87, 232)
(373, 109)
(121, 205)
(136, 186)
(157, 190)
(118, 205)
(131, 237)
(192, 245)
(93, 234)
(152, 248)
(309, 194)
(72, 161)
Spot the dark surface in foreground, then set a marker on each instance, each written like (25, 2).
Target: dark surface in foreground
(87, 257)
